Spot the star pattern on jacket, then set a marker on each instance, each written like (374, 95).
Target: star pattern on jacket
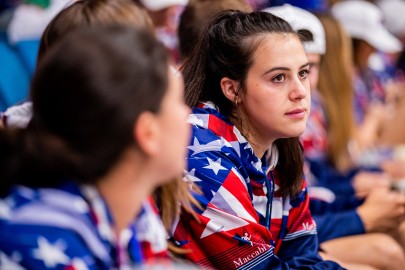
(215, 166)
(199, 148)
(51, 254)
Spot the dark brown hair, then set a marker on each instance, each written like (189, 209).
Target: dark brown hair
(87, 94)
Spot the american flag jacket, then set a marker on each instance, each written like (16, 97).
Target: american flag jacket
(71, 228)
(245, 223)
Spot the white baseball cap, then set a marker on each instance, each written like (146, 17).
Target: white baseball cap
(300, 19)
(364, 20)
(155, 5)
(393, 12)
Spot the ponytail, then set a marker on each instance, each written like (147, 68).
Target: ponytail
(34, 158)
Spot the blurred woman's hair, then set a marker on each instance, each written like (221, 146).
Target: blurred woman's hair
(87, 94)
(336, 88)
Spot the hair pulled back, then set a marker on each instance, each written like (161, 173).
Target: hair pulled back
(87, 94)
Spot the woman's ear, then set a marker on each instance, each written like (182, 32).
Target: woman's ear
(147, 133)
(230, 88)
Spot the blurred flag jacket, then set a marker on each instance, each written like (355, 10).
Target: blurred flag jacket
(70, 227)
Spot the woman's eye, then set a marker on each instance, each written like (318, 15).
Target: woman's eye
(279, 78)
(304, 73)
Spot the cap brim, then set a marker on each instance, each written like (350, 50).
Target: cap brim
(383, 41)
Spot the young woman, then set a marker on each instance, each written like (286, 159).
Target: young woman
(84, 13)
(108, 123)
(249, 91)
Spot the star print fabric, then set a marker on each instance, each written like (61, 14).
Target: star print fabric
(70, 227)
(237, 189)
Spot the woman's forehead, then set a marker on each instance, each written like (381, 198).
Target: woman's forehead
(276, 46)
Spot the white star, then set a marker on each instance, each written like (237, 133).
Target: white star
(199, 148)
(10, 262)
(215, 166)
(50, 254)
(190, 178)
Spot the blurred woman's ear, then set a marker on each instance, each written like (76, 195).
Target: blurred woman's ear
(147, 133)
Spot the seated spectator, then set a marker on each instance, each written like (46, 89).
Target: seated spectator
(72, 190)
(369, 89)
(249, 91)
(107, 12)
(196, 15)
(20, 30)
(165, 16)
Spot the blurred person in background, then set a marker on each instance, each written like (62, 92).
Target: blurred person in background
(76, 181)
(373, 211)
(85, 13)
(196, 15)
(21, 26)
(369, 36)
(165, 15)
(392, 134)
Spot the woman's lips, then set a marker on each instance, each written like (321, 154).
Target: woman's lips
(297, 114)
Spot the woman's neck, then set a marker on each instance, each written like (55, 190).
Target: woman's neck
(124, 188)
(259, 150)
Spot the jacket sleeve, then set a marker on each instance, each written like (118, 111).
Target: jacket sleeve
(333, 225)
(319, 206)
(227, 233)
(330, 178)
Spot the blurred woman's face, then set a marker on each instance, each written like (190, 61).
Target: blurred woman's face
(314, 65)
(176, 132)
